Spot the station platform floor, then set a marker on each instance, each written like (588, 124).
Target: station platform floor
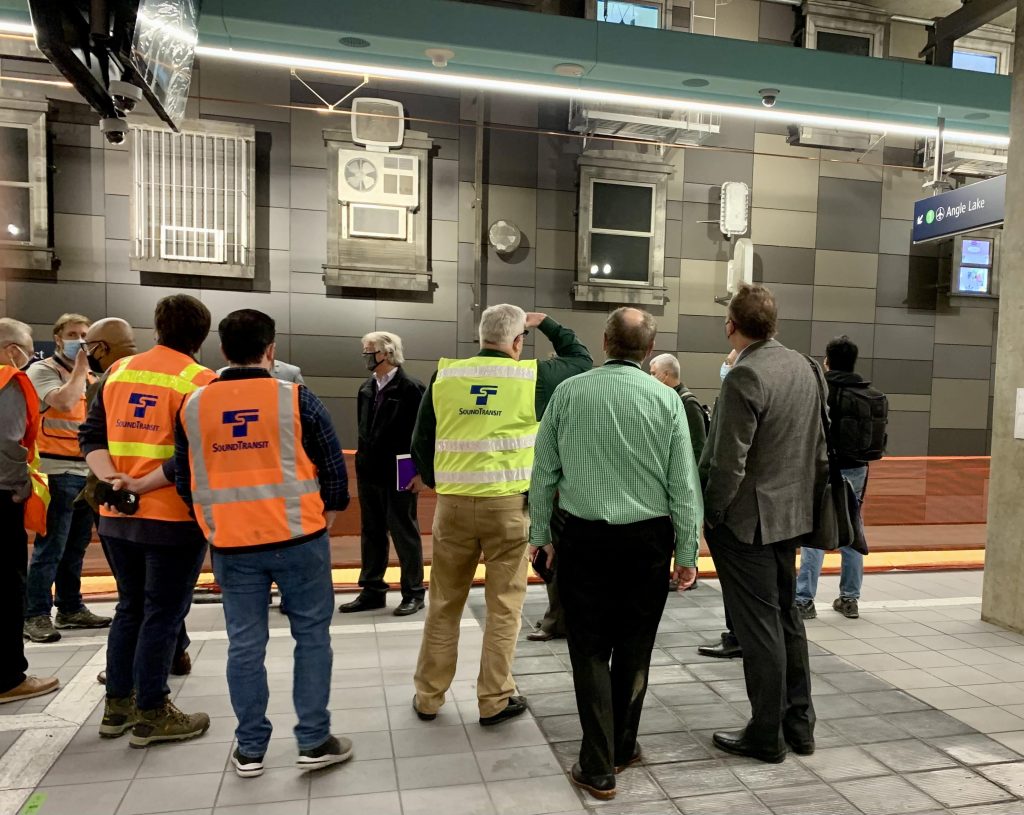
(920, 706)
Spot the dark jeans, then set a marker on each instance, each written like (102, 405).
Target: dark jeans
(183, 639)
(154, 591)
(13, 565)
(611, 580)
(554, 617)
(303, 574)
(57, 556)
(759, 588)
(385, 509)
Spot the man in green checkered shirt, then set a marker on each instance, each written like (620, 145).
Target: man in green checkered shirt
(614, 445)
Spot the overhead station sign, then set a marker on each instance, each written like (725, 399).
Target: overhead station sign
(975, 206)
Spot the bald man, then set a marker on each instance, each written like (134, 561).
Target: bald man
(107, 341)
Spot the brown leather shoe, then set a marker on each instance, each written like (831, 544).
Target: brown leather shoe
(540, 636)
(32, 687)
(182, 665)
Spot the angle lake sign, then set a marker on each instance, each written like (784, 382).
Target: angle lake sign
(975, 206)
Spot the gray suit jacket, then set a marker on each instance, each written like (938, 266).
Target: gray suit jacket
(765, 460)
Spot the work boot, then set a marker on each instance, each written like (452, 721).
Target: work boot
(167, 723)
(119, 716)
(83, 618)
(182, 664)
(40, 629)
(847, 606)
(807, 610)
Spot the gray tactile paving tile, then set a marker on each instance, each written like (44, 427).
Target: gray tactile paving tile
(910, 755)
(975, 748)
(958, 787)
(887, 795)
(843, 763)
(808, 799)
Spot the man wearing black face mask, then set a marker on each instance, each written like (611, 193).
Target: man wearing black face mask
(387, 406)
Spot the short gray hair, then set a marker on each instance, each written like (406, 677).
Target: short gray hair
(386, 343)
(15, 331)
(501, 324)
(629, 333)
(670, 362)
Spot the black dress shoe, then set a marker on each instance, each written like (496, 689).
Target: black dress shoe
(726, 649)
(423, 717)
(407, 607)
(735, 742)
(516, 707)
(636, 758)
(801, 745)
(362, 604)
(601, 787)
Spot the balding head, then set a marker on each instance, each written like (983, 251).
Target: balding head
(109, 340)
(629, 334)
(16, 346)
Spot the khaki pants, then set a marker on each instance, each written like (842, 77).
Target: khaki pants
(464, 528)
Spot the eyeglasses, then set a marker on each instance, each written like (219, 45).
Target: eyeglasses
(525, 334)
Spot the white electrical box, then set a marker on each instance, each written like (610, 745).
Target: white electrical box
(734, 215)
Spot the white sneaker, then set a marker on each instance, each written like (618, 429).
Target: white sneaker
(332, 751)
(246, 766)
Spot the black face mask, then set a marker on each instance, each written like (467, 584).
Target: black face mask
(370, 361)
(94, 364)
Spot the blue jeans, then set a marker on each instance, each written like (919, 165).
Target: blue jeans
(57, 556)
(154, 592)
(851, 575)
(303, 575)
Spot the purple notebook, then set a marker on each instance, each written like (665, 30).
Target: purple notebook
(405, 471)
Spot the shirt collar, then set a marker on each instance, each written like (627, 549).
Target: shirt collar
(384, 381)
(628, 362)
(248, 372)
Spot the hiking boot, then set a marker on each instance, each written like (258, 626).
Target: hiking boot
(332, 751)
(182, 665)
(32, 687)
(40, 629)
(167, 723)
(119, 716)
(83, 618)
(807, 610)
(847, 606)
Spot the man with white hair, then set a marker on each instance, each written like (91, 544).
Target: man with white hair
(473, 442)
(665, 368)
(386, 408)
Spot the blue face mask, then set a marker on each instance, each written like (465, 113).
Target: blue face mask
(726, 367)
(71, 349)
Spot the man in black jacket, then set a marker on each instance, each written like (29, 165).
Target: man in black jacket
(387, 406)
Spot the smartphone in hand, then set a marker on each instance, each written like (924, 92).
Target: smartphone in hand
(124, 501)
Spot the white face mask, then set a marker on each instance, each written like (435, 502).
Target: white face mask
(726, 367)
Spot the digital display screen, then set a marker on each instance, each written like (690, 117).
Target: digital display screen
(973, 280)
(976, 252)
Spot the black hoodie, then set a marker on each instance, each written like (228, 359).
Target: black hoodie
(837, 380)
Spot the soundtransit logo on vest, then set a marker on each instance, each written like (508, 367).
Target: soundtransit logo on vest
(141, 402)
(482, 394)
(239, 420)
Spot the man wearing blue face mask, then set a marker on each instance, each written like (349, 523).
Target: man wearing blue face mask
(61, 381)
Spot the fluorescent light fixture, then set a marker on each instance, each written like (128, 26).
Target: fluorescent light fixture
(456, 80)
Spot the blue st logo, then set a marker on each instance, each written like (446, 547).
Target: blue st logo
(483, 392)
(142, 402)
(240, 419)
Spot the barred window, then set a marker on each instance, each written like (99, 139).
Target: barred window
(192, 203)
(24, 201)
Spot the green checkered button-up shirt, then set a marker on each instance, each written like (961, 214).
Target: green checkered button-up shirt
(615, 446)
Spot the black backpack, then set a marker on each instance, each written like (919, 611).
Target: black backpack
(861, 421)
(704, 410)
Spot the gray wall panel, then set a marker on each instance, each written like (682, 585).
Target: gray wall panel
(783, 264)
(963, 362)
(902, 375)
(848, 214)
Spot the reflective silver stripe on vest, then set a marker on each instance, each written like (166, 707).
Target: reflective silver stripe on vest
(489, 372)
(290, 490)
(483, 446)
(485, 477)
(61, 424)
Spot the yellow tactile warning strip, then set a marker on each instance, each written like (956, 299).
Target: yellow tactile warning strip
(948, 559)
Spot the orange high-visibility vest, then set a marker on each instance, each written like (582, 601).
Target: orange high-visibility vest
(141, 397)
(39, 499)
(252, 482)
(58, 436)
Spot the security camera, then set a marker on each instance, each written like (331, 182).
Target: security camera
(125, 95)
(115, 129)
(769, 96)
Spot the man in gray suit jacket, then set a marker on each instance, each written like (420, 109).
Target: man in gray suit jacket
(763, 465)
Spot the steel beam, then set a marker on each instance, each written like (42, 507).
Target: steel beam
(969, 17)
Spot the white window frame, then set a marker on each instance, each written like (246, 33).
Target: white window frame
(203, 214)
(34, 252)
(848, 19)
(988, 43)
(593, 230)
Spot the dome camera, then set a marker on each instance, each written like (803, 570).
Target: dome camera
(125, 95)
(114, 130)
(769, 96)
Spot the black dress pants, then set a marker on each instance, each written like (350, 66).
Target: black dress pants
(385, 509)
(759, 589)
(13, 567)
(611, 580)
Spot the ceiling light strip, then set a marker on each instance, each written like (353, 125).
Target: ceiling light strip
(455, 80)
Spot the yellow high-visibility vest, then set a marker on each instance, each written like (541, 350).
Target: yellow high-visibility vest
(486, 425)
